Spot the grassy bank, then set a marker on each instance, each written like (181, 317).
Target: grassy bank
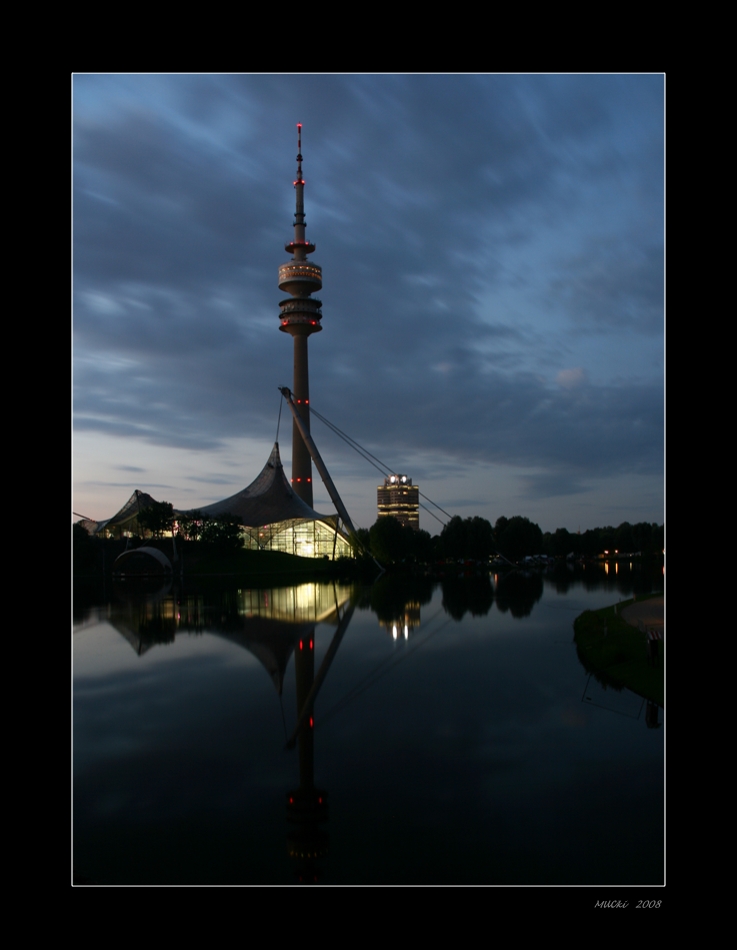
(203, 562)
(95, 557)
(615, 652)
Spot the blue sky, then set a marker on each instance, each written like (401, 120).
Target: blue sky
(492, 253)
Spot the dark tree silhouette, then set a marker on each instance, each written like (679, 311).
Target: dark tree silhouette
(156, 518)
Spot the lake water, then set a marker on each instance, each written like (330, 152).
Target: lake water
(449, 735)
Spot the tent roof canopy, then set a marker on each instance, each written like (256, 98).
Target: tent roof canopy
(136, 503)
(267, 500)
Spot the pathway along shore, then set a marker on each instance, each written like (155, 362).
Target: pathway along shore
(646, 613)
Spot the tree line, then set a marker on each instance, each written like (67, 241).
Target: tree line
(474, 538)
(511, 538)
(160, 518)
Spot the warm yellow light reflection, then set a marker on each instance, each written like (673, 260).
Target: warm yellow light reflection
(302, 604)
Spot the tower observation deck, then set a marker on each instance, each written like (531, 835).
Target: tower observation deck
(300, 316)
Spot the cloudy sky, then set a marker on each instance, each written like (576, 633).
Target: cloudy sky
(492, 254)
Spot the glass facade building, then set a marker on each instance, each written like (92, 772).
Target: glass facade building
(399, 498)
(303, 538)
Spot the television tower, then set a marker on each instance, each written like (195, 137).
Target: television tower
(300, 316)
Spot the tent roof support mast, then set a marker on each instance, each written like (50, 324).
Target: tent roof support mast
(319, 464)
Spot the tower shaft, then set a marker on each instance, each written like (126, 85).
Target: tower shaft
(301, 460)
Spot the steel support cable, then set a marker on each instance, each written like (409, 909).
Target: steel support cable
(384, 469)
(425, 508)
(356, 692)
(435, 504)
(377, 673)
(366, 454)
(348, 438)
(363, 453)
(363, 450)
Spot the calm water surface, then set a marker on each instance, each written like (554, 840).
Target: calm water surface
(448, 734)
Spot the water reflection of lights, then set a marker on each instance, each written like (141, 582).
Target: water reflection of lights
(395, 632)
(304, 603)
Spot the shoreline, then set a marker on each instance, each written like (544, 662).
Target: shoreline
(611, 644)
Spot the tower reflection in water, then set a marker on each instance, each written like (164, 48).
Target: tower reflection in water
(307, 806)
(272, 624)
